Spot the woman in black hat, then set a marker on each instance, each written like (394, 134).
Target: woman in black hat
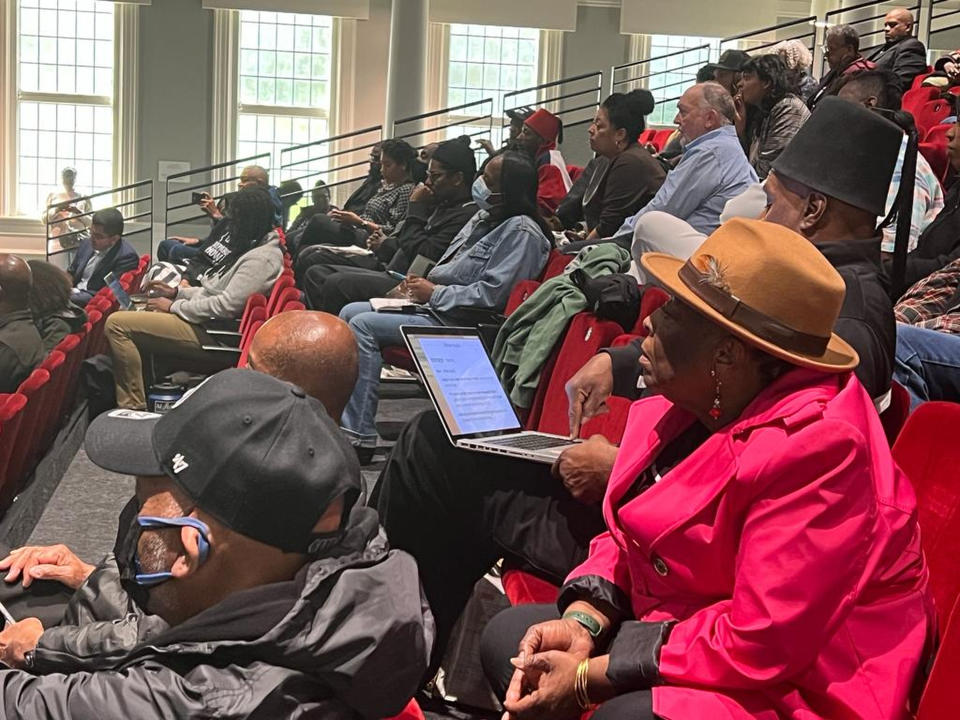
(766, 87)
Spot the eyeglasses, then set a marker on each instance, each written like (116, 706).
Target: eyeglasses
(435, 175)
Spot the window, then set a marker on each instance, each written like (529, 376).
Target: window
(65, 96)
(487, 61)
(285, 85)
(671, 76)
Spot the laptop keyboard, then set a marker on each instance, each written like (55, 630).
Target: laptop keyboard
(529, 442)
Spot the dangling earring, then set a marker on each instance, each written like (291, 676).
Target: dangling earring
(715, 411)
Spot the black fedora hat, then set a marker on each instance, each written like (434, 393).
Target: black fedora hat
(844, 151)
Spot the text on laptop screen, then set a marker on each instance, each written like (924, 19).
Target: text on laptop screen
(466, 386)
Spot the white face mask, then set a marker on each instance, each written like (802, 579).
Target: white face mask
(481, 193)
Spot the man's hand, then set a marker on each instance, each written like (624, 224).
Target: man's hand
(588, 390)
(421, 193)
(486, 145)
(585, 468)
(17, 640)
(543, 687)
(160, 304)
(53, 562)
(398, 293)
(419, 289)
(184, 240)
(951, 70)
(155, 288)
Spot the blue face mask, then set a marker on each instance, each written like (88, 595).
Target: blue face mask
(152, 523)
(481, 193)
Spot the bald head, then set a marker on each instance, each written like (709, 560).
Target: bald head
(897, 24)
(15, 282)
(254, 175)
(314, 350)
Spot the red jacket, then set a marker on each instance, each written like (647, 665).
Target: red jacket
(787, 548)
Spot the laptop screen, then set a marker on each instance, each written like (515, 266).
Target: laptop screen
(463, 383)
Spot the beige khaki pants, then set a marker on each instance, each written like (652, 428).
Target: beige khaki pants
(134, 336)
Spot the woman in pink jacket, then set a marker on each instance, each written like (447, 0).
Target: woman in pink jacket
(762, 558)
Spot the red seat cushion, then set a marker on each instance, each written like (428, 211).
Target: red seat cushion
(399, 356)
(522, 588)
(939, 700)
(411, 712)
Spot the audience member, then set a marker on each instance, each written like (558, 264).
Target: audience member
(727, 71)
(269, 544)
(798, 59)
(830, 185)
(249, 262)
(880, 89)
(632, 177)
(320, 203)
(902, 53)
(504, 242)
(841, 50)
(766, 87)
(516, 116)
(438, 210)
(928, 337)
(370, 186)
(72, 218)
(21, 348)
(538, 138)
(570, 210)
(103, 250)
(939, 243)
(712, 169)
(54, 314)
(758, 445)
(946, 71)
(382, 212)
(291, 192)
(313, 350)
(250, 176)
(705, 74)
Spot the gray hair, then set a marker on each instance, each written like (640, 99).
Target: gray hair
(716, 97)
(846, 34)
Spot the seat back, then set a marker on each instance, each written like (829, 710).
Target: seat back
(931, 113)
(34, 388)
(521, 291)
(937, 134)
(928, 452)
(254, 301)
(916, 98)
(282, 283)
(11, 418)
(936, 155)
(939, 699)
(246, 343)
(288, 294)
(55, 364)
(556, 262)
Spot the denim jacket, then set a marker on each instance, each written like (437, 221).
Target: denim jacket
(481, 272)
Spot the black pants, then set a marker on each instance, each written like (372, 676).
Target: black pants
(314, 255)
(331, 287)
(324, 230)
(458, 512)
(46, 600)
(501, 638)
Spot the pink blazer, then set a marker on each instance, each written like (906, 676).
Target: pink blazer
(786, 547)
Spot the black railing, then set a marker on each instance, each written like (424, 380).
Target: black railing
(574, 99)
(762, 40)
(134, 201)
(217, 180)
(474, 119)
(944, 16)
(338, 161)
(867, 19)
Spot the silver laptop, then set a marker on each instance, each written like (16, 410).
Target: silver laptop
(467, 394)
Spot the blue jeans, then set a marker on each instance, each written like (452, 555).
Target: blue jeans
(176, 252)
(373, 332)
(927, 364)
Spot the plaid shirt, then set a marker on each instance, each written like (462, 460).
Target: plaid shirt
(389, 206)
(934, 302)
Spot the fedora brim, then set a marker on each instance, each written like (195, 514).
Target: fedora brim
(838, 356)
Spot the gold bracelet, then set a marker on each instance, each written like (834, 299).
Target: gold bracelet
(580, 685)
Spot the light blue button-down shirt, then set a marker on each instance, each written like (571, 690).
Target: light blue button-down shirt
(713, 169)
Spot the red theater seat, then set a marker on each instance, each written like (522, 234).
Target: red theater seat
(939, 701)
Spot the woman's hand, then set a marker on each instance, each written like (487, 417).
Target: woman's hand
(740, 113)
(345, 217)
(565, 634)
(585, 468)
(543, 687)
(159, 304)
(375, 240)
(419, 289)
(952, 70)
(398, 293)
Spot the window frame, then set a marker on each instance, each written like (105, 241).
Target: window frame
(123, 106)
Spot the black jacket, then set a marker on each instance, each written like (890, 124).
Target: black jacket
(55, 326)
(119, 259)
(938, 244)
(21, 349)
(425, 232)
(865, 321)
(348, 637)
(906, 58)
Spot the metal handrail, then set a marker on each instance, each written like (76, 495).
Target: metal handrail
(423, 133)
(571, 116)
(615, 83)
(122, 189)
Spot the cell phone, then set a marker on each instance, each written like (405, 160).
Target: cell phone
(199, 197)
(6, 615)
(397, 276)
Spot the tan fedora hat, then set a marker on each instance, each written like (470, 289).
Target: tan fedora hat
(779, 292)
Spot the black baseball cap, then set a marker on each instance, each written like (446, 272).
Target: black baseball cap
(257, 453)
(730, 60)
(519, 114)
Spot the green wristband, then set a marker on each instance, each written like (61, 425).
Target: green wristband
(589, 623)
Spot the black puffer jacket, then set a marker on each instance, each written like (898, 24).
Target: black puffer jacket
(348, 637)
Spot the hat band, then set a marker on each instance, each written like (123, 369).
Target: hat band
(760, 324)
